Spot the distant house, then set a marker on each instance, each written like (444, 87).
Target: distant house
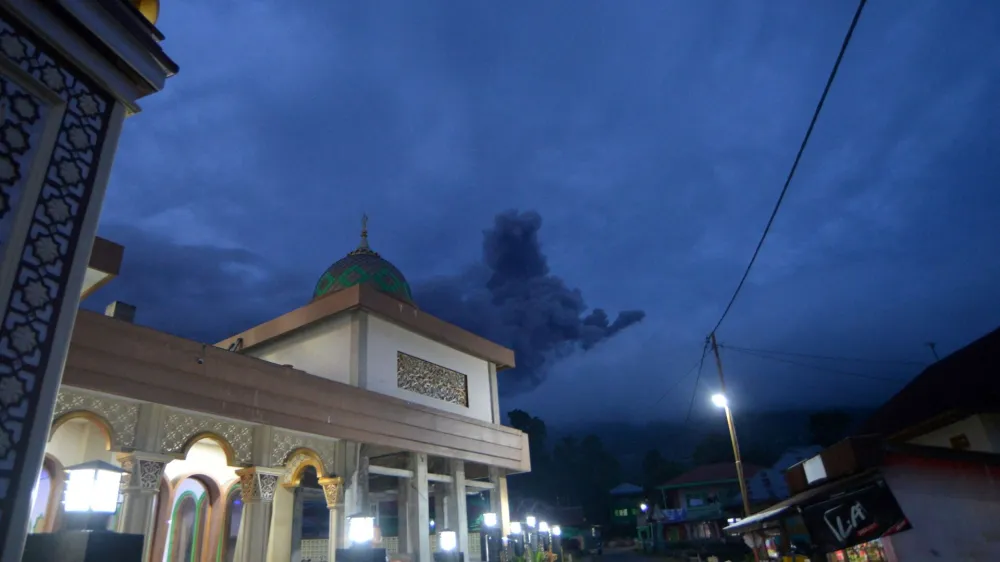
(929, 460)
(698, 503)
(625, 502)
(768, 485)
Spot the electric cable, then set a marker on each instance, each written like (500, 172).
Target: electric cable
(820, 367)
(826, 357)
(697, 381)
(678, 382)
(795, 163)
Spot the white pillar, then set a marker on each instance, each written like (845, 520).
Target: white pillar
(281, 531)
(296, 539)
(418, 510)
(403, 515)
(257, 485)
(140, 486)
(458, 516)
(332, 491)
(498, 499)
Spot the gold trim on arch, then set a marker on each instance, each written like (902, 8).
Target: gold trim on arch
(310, 458)
(227, 448)
(100, 421)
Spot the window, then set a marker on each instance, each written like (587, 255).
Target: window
(234, 511)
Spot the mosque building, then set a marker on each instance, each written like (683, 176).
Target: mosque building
(260, 447)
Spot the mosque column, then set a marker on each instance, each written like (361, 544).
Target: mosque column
(498, 499)
(418, 510)
(458, 519)
(257, 486)
(140, 486)
(333, 489)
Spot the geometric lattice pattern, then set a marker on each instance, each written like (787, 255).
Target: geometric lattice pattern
(41, 273)
(432, 380)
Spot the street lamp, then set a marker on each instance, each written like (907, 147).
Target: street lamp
(643, 507)
(720, 400)
(517, 537)
(488, 539)
(557, 542)
(543, 535)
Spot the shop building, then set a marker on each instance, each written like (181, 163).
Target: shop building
(920, 485)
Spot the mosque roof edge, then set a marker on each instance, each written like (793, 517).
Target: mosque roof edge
(368, 298)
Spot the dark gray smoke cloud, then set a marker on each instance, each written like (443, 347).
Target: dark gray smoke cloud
(513, 299)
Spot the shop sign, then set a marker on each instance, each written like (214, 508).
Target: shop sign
(854, 518)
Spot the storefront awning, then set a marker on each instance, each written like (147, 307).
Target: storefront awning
(791, 506)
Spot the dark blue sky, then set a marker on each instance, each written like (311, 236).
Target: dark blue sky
(651, 138)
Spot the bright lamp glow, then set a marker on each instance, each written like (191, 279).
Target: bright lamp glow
(643, 506)
(543, 527)
(515, 527)
(719, 400)
(556, 530)
(490, 519)
(448, 541)
(93, 486)
(360, 529)
(432, 523)
(530, 520)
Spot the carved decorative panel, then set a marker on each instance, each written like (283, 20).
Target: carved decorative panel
(122, 415)
(257, 485)
(429, 379)
(41, 273)
(22, 120)
(182, 426)
(142, 474)
(284, 442)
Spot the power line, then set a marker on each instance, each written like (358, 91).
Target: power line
(678, 382)
(795, 163)
(824, 357)
(821, 368)
(697, 380)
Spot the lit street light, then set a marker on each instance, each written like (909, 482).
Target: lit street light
(719, 400)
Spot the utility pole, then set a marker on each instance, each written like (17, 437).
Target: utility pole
(732, 429)
(732, 436)
(933, 347)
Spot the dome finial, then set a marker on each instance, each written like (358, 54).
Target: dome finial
(364, 233)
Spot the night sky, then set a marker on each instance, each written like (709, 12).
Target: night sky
(525, 163)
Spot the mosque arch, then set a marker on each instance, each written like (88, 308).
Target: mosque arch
(229, 522)
(186, 524)
(221, 441)
(99, 421)
(296, 464)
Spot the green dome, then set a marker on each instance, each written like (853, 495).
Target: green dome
(364, 266)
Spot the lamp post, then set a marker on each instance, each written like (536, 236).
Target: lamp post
(517, 537)
(530, 536)
(720, 401)
(489, 543)
(92, 492)
(448, 547)
(360, 537)
(557, 547)
(543, 536)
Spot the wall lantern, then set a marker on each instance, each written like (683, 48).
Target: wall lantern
(490, 519)
(93, 487)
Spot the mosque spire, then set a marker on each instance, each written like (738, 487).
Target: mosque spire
(364, 233)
